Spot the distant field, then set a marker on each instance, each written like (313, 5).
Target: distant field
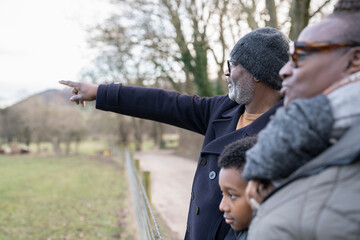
(61, 198)
(85, 147)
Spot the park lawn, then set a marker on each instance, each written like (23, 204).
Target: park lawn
(61, 198)
(85, 147)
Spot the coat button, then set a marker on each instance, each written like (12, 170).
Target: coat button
(212, 175)
(187, 228)
(197, 210)
(203, 161)
(192, 195)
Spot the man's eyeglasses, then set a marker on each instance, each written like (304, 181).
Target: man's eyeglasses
(231, 64)
(298, 49)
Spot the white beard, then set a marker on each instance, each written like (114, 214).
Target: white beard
(240, 94)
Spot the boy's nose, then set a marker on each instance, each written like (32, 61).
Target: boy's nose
(223, 206)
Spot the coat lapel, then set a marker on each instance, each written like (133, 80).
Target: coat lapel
(224, 128)
(228, 121)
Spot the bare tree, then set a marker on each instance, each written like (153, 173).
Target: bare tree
(183, 44)
(301, 13)
(172, 43)
(167, 43)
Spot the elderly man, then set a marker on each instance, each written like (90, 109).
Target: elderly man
(254, 95)
(320, 198)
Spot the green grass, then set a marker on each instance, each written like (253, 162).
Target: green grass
(85, 147)
(61, 198)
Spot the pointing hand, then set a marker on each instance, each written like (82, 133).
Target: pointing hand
(81, 91)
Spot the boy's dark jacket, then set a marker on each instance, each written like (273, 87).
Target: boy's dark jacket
(215, 117)
(235, 235)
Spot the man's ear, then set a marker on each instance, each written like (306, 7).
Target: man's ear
(354, 61)
(256, 80)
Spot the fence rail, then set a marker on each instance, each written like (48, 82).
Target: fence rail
(146, 224)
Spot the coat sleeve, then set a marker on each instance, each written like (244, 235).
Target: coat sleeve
(190, 112)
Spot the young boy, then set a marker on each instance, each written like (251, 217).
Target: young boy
(237, 211)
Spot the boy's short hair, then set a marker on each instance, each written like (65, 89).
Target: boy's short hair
(234, 154)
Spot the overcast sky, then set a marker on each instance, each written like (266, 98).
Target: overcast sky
(43, 41)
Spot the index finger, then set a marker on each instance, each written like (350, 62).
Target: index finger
(69, 83)
(254, 204)
(252, 190)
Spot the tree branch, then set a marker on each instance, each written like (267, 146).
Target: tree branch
(319, 9)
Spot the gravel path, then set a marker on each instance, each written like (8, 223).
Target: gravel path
(171, 180)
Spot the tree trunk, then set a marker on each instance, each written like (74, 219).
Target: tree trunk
(137, 133)
(271, 8)
(123, 133)
(38, 147)
(299, 13)
(27, 136)
(77, 143)
(67, 147)
(204, 87)
(250, 10)
(56, 145)
(156, 134)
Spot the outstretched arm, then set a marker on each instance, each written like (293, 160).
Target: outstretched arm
(81, 91)
(186, 111)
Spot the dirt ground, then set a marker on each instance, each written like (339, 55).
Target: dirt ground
(171, 180)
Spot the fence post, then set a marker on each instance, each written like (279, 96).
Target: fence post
(137, 165)
(140, 186)
(147, 184)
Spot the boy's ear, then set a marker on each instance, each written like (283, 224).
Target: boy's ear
(354, 61)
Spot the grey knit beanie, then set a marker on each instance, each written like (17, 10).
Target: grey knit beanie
(263, 52)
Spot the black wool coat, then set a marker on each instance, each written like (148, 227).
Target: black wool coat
(215, 117)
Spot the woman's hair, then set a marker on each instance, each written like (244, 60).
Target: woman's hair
(347, 6)
(348, 11)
